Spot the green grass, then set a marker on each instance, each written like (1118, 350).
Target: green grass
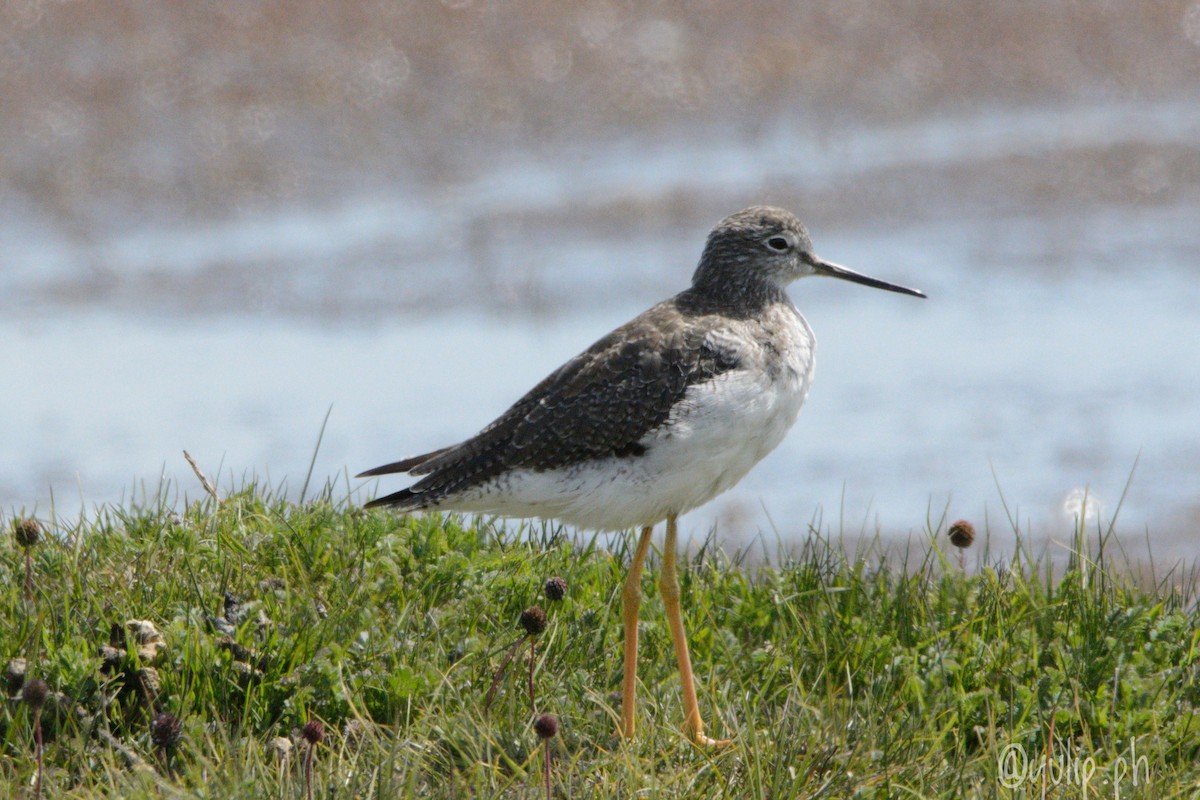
(839, 675)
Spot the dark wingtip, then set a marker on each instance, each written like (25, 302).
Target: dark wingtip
(386, 469)
(404, 465)
(402, 499)
(394, 467)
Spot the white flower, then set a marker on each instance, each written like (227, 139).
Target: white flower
(1082, 506)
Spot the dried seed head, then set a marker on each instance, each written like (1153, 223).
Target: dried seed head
(14, 676)
(280, 747)
(355, 732)
(546, 726)
(313, 731)
(27, 532)
(555, 589)
(116, 636)
(35, 693)
(533, 620)
(246, 674)
(111, 658)
(150, 680)
(961, 533)
(143, 631)
(165, 730)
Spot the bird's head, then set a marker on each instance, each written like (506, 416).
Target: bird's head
(761, 247)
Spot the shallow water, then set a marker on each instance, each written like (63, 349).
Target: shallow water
(1057, 240)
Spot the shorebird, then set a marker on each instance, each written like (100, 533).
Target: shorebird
(653, 420)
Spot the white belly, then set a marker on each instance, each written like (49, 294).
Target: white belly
(714, 436)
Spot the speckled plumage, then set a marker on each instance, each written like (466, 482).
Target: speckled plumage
(658, 416)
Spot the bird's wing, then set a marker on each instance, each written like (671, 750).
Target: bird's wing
(600, 403)
(411, 464)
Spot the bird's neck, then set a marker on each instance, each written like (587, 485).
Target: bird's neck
(740, 294)
(740, 302)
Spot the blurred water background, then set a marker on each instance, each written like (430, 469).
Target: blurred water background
(218, 221)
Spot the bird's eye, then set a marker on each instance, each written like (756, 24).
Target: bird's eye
(777, 243)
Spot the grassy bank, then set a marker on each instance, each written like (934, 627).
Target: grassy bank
(837, 675)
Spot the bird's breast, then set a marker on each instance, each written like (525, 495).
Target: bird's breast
(779, 357)
(724, 426)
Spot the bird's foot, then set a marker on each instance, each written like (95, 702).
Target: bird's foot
(707, 742)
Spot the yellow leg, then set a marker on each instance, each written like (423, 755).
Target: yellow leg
(632, 597)
(668, 584)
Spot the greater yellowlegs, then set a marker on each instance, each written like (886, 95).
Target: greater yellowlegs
(653, 420)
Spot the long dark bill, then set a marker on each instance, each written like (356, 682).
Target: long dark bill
(845, 273)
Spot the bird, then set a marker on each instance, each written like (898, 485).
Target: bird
(653, 420)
